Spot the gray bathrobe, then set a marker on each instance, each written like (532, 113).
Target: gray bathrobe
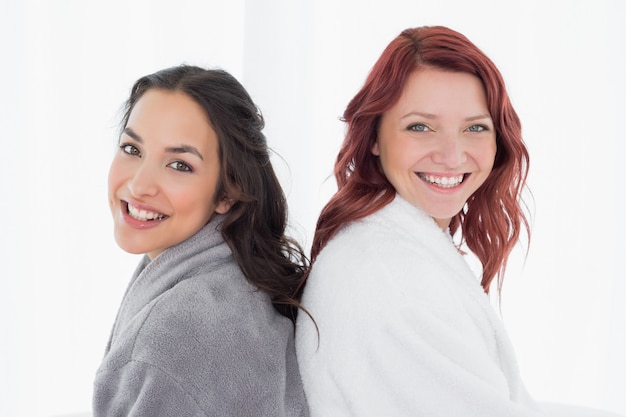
(193, 338)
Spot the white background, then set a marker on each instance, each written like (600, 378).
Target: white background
(67, 66)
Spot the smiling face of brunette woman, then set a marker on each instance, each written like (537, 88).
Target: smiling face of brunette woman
(165, 173)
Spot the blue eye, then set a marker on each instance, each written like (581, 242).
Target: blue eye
(180, 166)
(477, 128)
(418, 127)
(129, 149)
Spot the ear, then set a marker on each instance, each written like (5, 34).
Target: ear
(224, 205)
(375, 150)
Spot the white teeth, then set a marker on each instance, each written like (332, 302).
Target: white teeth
(445, 182)
(143, 215)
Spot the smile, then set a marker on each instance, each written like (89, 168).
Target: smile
(143, 215)
(444, 182)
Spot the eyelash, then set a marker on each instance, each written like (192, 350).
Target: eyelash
(482, 128)
(179, 166)
(126, 148)
(185, 167)
(424, 128)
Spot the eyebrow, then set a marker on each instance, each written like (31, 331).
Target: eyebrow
(433, 116)
(173, 149)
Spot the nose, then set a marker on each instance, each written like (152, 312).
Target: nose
(450, 152)
(143, 182)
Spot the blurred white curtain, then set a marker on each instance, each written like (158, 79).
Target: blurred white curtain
(67, 67)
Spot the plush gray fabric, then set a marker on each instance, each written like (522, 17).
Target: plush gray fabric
(194, 338)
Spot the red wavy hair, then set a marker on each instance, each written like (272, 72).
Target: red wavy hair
(493, 217)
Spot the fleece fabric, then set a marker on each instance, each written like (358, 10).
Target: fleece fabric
(405, 328)
(193, 338)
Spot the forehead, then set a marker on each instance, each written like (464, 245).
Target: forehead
(172, 119)
(434, 90)
(171, 104)
(172, 109)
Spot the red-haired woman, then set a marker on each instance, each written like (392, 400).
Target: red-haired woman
(433, 157)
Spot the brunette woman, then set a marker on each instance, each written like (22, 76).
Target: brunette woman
(206, 326)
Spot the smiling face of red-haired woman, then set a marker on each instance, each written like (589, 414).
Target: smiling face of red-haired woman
(437, 143)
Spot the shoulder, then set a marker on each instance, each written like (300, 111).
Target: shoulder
(204, 320)
(398, 237)
(214, 310)
(394, 257)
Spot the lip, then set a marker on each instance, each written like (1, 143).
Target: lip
(139, 224)
(439, 188)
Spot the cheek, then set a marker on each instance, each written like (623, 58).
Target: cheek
(194, 199)
(120, 172)
(400, 158)
(114, 178)
(485, 154)
(491, 155)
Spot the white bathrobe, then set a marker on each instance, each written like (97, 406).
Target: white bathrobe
(405, 328)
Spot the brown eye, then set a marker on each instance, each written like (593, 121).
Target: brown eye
(180, 166)
(129, 149)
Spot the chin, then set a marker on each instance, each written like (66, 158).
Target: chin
(128, 246)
